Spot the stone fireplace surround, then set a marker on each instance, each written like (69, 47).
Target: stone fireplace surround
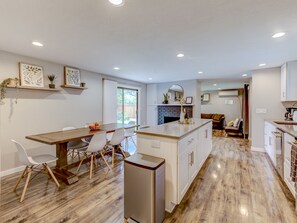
(172, 111)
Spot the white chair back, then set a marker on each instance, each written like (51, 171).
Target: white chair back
(22, 154)
(97, 142)
(72, 143)
(117, 137)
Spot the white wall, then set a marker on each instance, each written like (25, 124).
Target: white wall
(42, 111)
(217, 105)
(265, 90)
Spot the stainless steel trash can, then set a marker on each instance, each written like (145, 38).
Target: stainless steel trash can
(144, 188)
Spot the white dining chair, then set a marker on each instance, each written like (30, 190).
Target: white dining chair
(129, 136)
(96, 146)
(31, 163)
(75, 146)
(115, 142)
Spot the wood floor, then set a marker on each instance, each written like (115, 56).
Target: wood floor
(234, 185)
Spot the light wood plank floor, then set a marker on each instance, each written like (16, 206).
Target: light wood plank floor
(234, 185)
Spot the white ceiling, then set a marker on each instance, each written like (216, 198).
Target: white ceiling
(223, 38)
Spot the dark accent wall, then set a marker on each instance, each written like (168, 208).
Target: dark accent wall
(172, 111)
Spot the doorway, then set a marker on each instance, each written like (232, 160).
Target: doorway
(127, 105)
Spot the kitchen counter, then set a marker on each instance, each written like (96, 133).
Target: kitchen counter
(289, 127)
(174, 129)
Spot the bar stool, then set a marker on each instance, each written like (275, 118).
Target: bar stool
(31, 162)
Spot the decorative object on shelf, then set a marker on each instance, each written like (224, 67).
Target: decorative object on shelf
(31, 75)
(72, 76)
(189, 100)
(83, 84)
(11, 82)
(166, 98)
(205, 97)
(175, 92)
(52, 78)
(182, 111)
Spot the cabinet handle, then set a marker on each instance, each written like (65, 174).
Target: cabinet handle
(192, 158)
(206, 133)
(270, 140)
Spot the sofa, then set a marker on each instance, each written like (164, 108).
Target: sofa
(237, 130)
(218, 120)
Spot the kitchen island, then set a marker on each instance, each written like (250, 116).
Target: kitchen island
(185, 147)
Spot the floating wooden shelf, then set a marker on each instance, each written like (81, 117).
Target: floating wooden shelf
(74, 87)
(34, 88)
(184, 105)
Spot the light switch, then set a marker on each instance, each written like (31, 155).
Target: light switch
(261, 110)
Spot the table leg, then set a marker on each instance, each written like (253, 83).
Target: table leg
(112, 157)
(61, 171)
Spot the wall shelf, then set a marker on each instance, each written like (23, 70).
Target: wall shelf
(34, 88)
(74, 87)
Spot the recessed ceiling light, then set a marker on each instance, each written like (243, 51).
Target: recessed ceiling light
(180, 55)
(117, 2)
(220, 88)
(116, 68)
(200, 72)
(150, 78)
(262, 64)
(244, 75)
(214, 84)
(277, 35)
(37, 43)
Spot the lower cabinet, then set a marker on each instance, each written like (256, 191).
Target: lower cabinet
(194, 150)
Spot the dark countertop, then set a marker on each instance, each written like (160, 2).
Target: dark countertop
(289, 127)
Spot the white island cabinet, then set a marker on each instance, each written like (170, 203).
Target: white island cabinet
(185, 147)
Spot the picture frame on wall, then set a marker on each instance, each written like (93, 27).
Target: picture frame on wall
(189, 100)
(72, 76)
(31, 75)
(205, 97)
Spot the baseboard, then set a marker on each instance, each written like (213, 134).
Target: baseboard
(11, 171)
(257, 149)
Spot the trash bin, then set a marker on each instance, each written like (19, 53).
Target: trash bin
(144, 188)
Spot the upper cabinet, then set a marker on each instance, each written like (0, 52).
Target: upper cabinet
(289, 81)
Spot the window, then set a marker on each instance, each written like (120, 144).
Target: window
(127, 105)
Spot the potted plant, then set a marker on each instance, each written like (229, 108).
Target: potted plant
(9, 81)
(166, 98)
(52, 78)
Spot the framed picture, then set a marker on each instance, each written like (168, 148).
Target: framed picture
(72, 76)
(205, 97)
(189, 100)
(31, 75)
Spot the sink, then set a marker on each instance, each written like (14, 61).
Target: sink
(285, 123)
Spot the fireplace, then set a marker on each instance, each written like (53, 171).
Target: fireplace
(173, 112)
(170, 119)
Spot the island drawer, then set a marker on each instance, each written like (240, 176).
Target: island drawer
(188, 141)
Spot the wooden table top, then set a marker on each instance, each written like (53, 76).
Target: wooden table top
(52, 138)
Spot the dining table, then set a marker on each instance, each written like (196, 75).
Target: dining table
(61, 138)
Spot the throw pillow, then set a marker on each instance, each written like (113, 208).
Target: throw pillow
(206, 116)
(236, 122)
(217, 117)
(230, 124)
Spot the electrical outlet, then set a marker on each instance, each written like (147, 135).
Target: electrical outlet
(261, 110)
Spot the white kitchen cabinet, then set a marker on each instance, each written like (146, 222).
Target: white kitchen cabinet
(184, 155)
(289, 81)
(269, 141)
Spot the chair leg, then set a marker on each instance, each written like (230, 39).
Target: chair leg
(91, 167)
(52, 175)
(112, 157)
(20, 178)
(46, 172)
(78, 155)
(26, 184)
(72, 155)
(102, 155)
(120, 147)
(78, 168)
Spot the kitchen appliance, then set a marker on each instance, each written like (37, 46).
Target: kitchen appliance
(277, 139)
(290, 113)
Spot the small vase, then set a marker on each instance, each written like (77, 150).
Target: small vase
(52, 85)
(182, 116)
(82, 84)
(165, 102)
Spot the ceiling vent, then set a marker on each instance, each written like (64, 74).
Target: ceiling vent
(233, 93)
